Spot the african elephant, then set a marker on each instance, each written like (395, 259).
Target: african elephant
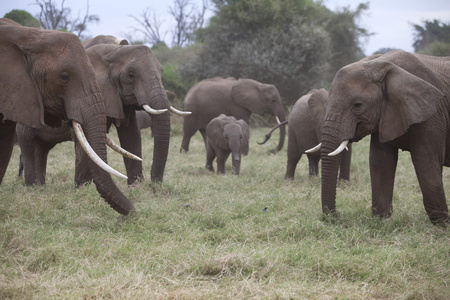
(130, 79)
(47, 78)
(238, 98)
(305, 124)
(403, 101)
(225, 135)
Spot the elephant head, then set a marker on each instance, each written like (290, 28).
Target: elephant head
(260, 98)
(130, 79)
(226, 135)
(394, 98)
(47, 77)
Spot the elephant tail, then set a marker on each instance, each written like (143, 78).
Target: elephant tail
(268, 135)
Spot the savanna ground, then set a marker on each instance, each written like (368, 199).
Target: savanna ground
(202, 236)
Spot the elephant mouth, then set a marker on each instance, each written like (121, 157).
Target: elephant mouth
(362, 130)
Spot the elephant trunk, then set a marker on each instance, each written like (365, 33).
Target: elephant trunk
(282, 119)
(235, 157)
(330, 166)
(94, 127)
(161, 137)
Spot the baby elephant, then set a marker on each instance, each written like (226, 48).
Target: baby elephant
(225, 135)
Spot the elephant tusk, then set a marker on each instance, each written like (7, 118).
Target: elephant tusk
(120, 150)
(315, 149)
(120, 41)
(179, 112)
(154, 111)
(278, 120)
(341, 147)
(91, 153)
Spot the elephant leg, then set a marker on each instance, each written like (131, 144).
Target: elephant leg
(313, 161)
(293, 157)
(130, 140)
(189, 129)
(210, 156)
(383, 164)
(7, 131)
(203, 133)
(429, 175)
(27, 143)
(344, 168)
(40, 156)
(221, 159)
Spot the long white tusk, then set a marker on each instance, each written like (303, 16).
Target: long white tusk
(120, 41)
(315, 149)
(341, 147)
(278, 120)
(179, 112)
(154, 111)
(91, 153)
(120, 150)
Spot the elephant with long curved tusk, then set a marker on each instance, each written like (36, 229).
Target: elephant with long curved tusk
(46, 78)
(130, 78)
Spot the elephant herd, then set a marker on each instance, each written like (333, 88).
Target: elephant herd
(54, 88)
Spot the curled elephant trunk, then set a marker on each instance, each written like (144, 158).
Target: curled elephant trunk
(268, 135)
(282, 119)
(94, 128)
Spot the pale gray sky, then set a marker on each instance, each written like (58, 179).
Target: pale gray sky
(389, 20)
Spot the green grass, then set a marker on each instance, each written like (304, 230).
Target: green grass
(201, 236)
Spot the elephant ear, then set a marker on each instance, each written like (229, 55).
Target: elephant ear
(247, 93)
(317, 103)
(408, 100)
(245, 136)
(99, 56)
(214, 131)
(20, 98)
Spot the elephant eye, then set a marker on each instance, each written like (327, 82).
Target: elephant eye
(130, 76)
(357, 106)
(64, 76)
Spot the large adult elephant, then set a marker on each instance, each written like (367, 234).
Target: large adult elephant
(130, 80)
(238, 98)
(46, 78)
(305, 124)
(403, 101)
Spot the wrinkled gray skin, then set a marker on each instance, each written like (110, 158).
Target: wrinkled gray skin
(224, 136)
(305, 131)
(129, 77)
(46, 79)
(403, 101)
(238, 98)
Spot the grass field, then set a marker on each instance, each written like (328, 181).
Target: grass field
(202, 236)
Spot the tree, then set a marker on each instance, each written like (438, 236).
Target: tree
(432, 38)
(23, 18)
(150, 27)
(52, 17)
(188, 20)
(346, 35)
(294, 44)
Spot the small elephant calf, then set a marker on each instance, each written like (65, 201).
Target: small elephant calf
(225, 135)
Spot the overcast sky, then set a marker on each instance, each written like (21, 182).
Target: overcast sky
(389, 20)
